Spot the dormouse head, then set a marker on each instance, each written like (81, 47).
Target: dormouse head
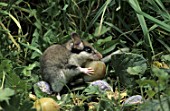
(83, 48)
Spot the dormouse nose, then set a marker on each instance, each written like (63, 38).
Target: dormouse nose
(98, 55)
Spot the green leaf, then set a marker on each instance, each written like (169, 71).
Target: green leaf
(65, 7)
(136, 70)
(92, 90)
(167, 91)
(160, 73)
(17, 103)
(49, 36)
(150, 93)
(27, 70)
(14, 81)
(5, 65)
(103, 31)
(35, 55)
(5, 94)
(31, 47)
(155, 105)
(165, 57)
(102, 41)
(111, 47)
(152, 83)
(105, 105)
(127, 65)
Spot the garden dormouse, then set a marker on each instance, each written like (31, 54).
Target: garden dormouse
(60, 63)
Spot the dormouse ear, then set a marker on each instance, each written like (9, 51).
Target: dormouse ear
(77, 42)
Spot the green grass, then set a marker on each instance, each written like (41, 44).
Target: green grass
(28, 27)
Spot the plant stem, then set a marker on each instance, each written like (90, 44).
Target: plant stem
(10, 36)
(3, 80)
(160, 99)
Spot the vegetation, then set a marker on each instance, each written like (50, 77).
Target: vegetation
(28, 27)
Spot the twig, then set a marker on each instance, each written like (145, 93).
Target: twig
(120, 51)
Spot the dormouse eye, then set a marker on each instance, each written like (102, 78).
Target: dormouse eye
(88, 49)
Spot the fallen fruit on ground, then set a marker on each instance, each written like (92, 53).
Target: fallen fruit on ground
(46, 104)
(99, 68)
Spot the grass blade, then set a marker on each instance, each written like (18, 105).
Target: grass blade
(16, 21)
(135, 5)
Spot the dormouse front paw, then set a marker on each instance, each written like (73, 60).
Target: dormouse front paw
(86, 70)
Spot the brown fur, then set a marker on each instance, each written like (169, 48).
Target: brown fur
(59, 65)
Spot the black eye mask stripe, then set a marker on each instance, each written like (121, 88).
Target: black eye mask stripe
(77, 51)
(87, 49)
